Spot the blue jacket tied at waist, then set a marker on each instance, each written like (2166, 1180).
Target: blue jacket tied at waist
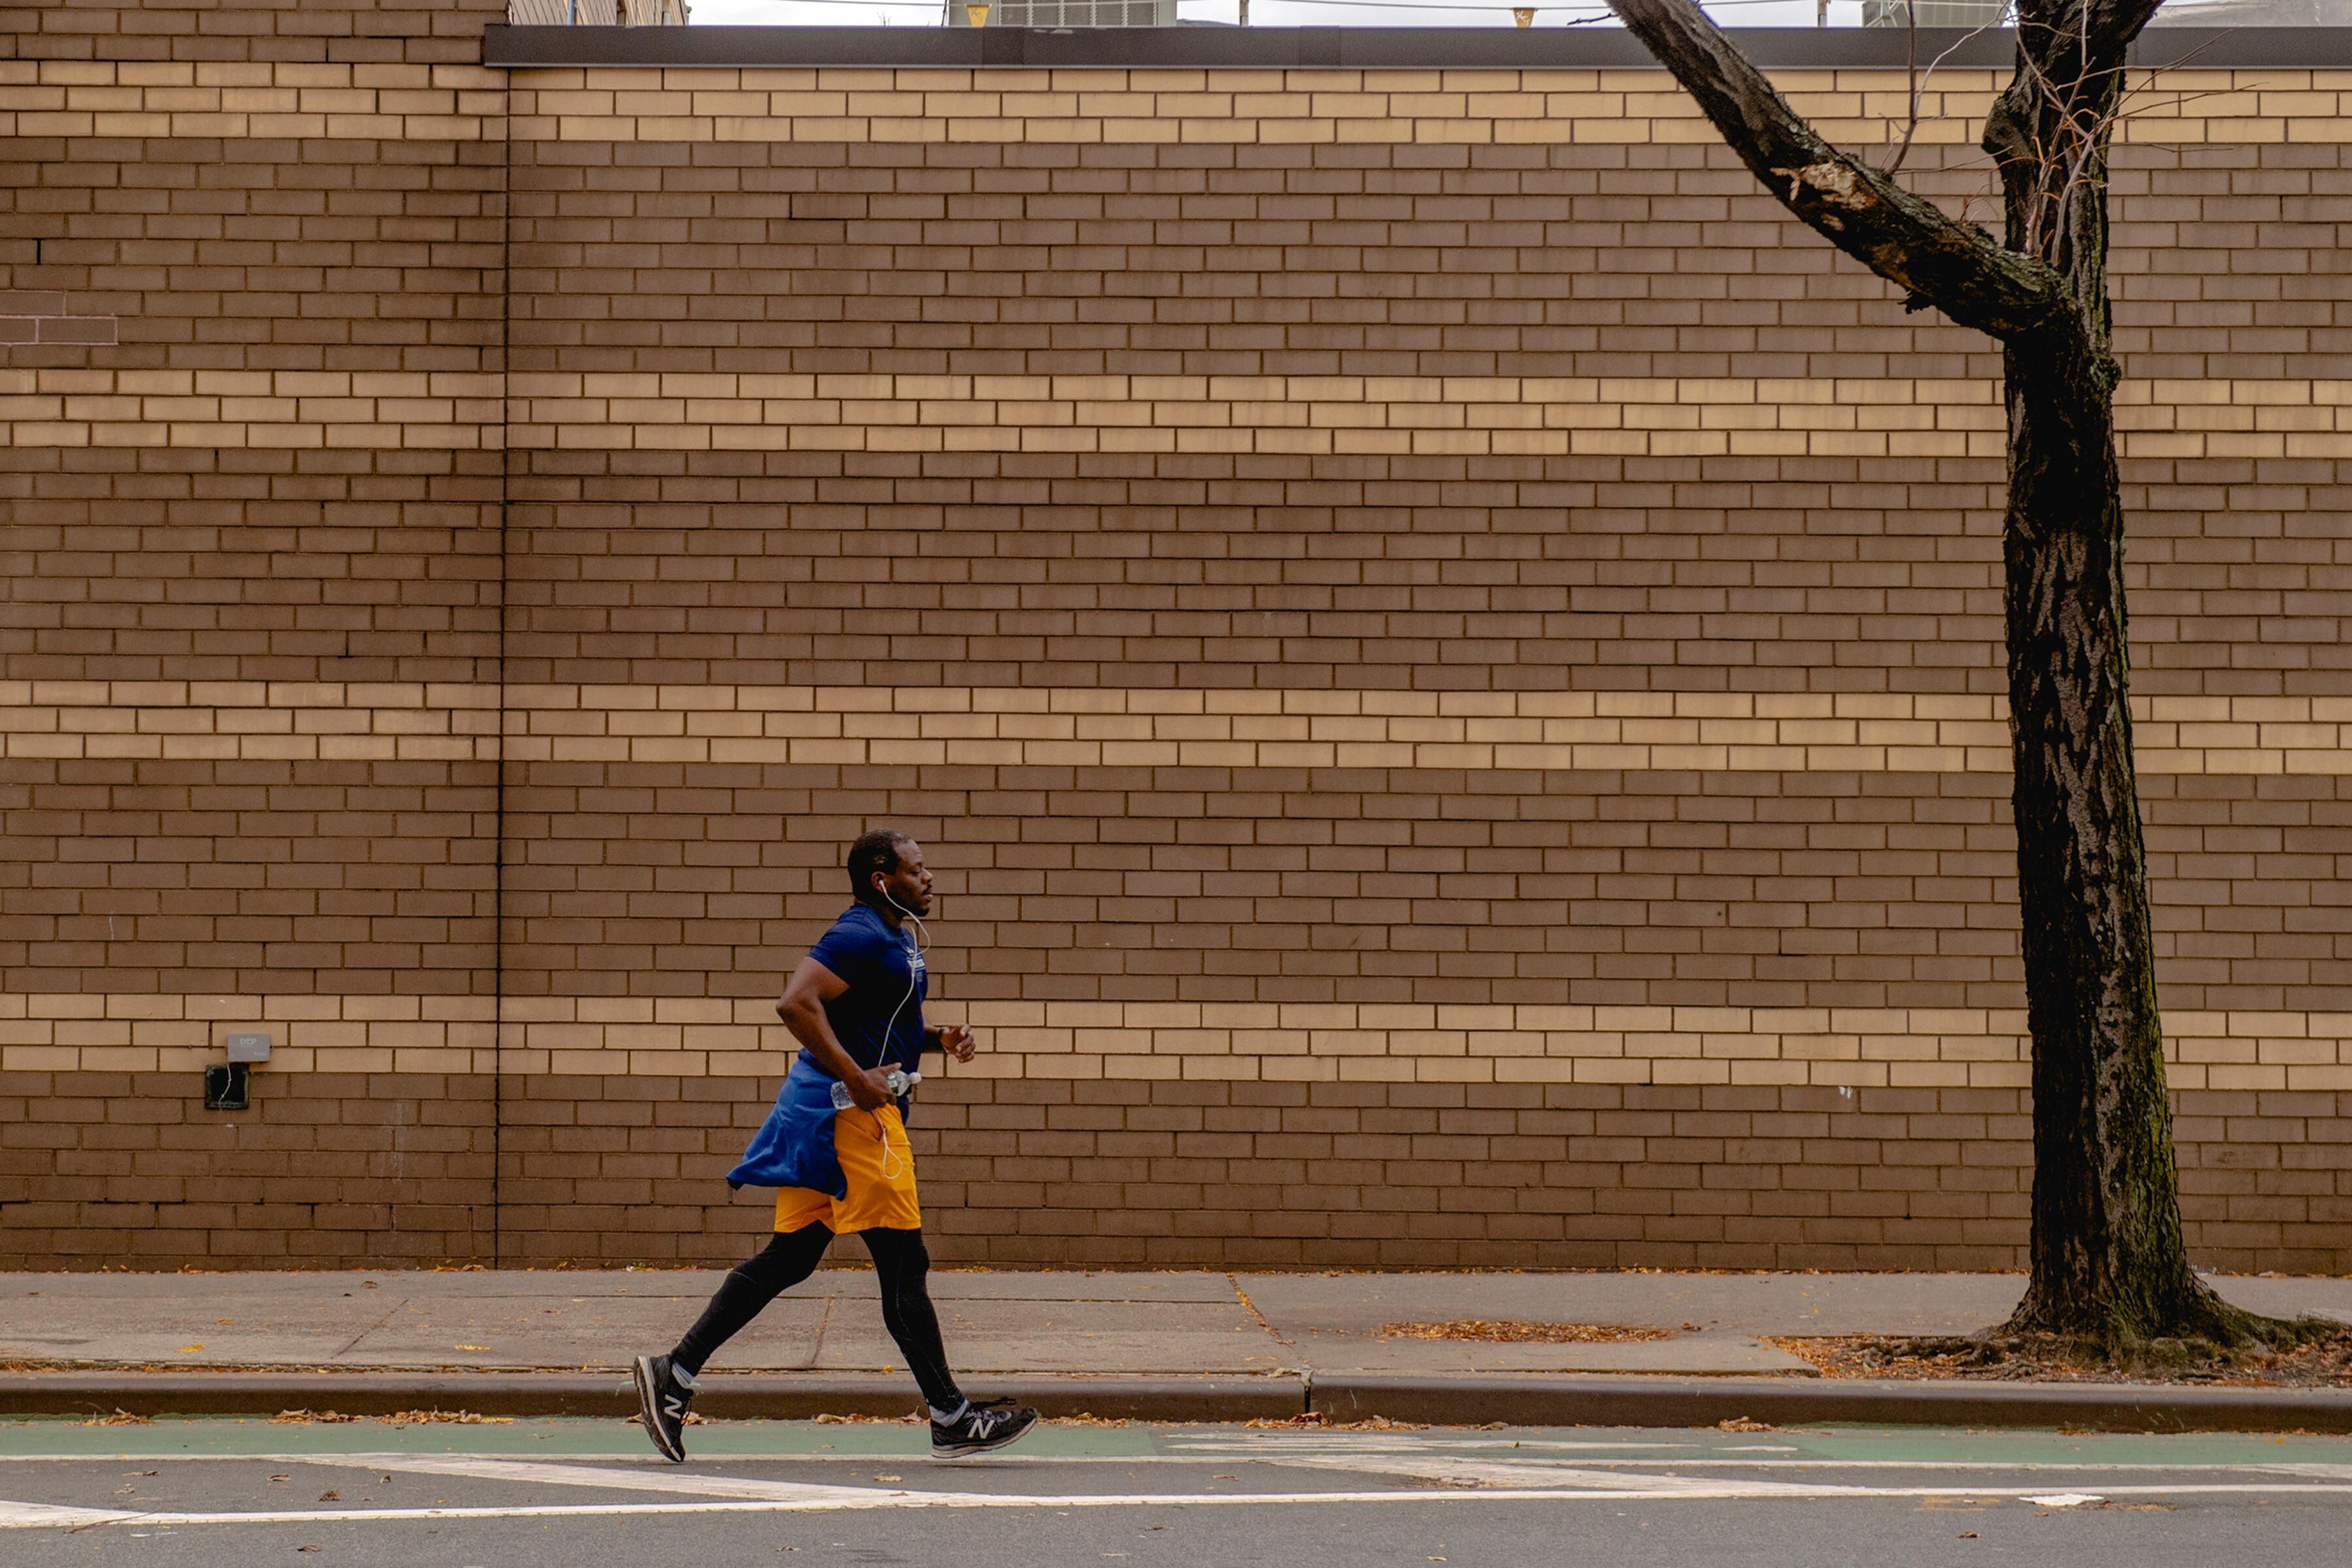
(794, 1148)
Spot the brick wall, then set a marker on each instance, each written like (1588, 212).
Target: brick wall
(1446, 655)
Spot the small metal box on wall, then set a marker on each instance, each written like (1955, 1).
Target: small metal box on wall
(228, 1086)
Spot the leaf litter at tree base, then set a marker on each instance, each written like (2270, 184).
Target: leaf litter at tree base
(2322, 1360)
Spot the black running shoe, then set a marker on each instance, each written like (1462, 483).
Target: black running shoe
(985, 1423)
(662, 1401)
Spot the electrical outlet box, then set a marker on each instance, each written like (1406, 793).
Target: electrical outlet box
(248, 1047)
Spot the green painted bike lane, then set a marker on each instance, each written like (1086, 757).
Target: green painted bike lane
(232, 1437)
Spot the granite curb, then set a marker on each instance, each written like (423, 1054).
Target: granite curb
(1602, 1400)
(744, 1397)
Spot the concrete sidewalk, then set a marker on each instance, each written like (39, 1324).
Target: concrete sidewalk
(1175, 1345)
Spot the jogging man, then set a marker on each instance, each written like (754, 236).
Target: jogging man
(856, 1005)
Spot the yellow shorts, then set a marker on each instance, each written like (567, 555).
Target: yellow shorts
(880, 1165)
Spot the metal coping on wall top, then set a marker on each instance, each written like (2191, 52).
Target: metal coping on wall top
(1351, 49)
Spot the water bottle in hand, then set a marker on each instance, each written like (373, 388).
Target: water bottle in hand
(900, 1081)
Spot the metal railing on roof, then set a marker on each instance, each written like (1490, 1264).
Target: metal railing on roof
(597, 13)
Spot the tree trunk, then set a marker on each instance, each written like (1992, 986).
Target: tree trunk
(2108, 1261)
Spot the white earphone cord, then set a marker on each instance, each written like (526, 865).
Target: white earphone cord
(921, 941)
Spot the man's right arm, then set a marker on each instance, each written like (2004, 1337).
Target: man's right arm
(802, 1010)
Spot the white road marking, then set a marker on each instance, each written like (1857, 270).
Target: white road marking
(38, 1515)
(11, 1518)
(2063, 1500)
(1237, 1447)
(482, 1468)
(1535, 1474)
(645, 1463)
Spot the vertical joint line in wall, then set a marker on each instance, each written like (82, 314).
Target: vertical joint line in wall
(498, 742)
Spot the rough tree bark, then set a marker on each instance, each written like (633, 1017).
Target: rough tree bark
(2108, 1264)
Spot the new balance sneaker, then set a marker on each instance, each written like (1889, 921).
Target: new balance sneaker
(662, 1400)
(984, 1425)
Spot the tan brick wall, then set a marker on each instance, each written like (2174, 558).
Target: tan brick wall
(1446, 655)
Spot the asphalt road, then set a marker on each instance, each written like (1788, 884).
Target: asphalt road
(564, 1494)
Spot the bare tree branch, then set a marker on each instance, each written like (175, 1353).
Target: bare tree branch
(1906, 239)
(1919, 79)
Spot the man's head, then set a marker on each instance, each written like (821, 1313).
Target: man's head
(886, 871)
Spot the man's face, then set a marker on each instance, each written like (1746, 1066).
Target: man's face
(909, 887)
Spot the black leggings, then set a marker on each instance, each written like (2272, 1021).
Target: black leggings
(900, 1265)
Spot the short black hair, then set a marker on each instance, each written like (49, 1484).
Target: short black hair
(875, 851)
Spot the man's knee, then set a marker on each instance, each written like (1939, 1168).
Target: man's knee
(789, 1257)
(901, 1252)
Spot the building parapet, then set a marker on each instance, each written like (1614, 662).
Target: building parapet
(1348, 48)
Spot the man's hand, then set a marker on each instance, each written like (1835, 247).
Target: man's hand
(869, 1089)
(957, 1041)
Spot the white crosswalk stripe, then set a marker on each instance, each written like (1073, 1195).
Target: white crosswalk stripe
(42, 1515)
(615, 1479)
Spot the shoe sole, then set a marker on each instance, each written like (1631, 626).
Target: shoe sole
(642, 1372)
(966, 1450)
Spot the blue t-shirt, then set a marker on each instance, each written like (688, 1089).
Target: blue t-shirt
(886, 984)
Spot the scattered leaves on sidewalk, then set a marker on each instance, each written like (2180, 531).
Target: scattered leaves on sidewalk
(1321, 1419)
(435, 1418)
(1503, 1331)
(119, 1418)
(1742, 1424)
(310, 1417)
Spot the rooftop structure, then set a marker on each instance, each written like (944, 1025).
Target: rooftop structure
(597, 13)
